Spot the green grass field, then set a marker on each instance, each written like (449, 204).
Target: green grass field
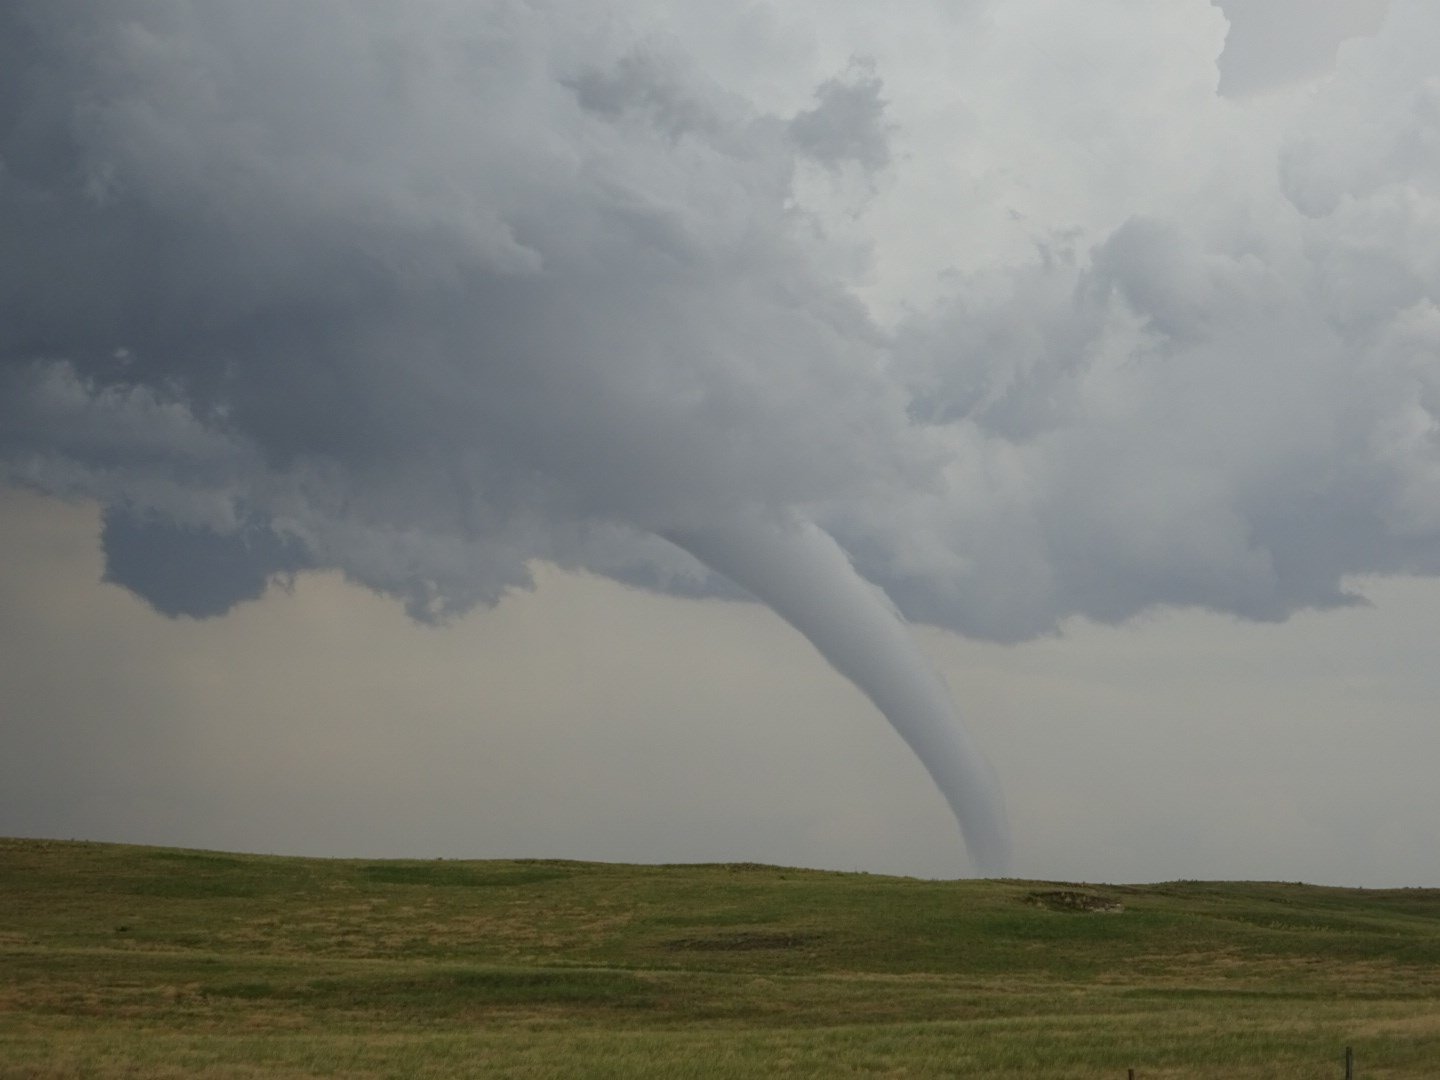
(121, 961)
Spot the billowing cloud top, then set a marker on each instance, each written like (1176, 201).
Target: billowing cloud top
(1006, 297)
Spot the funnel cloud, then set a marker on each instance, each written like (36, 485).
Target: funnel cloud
(986, 316)
(804, 577)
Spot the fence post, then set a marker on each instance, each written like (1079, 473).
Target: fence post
(1349, 1063)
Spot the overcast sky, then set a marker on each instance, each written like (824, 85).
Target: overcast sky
(375, 388)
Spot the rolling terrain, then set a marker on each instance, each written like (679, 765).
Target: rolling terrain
(120, 961)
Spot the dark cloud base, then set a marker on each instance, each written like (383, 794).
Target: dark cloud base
(181, 570)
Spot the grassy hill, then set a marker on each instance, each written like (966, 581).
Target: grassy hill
(120, 961)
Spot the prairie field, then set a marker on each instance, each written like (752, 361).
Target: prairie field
(120, 961)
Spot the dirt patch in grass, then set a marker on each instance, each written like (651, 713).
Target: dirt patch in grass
(1075, 900)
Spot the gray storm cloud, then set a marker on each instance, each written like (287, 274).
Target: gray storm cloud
(427, 295)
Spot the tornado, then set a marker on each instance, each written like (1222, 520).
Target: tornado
(798, 570)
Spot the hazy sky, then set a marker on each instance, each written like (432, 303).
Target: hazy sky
(353, 365)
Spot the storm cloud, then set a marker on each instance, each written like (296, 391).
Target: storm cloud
(1040, 324)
